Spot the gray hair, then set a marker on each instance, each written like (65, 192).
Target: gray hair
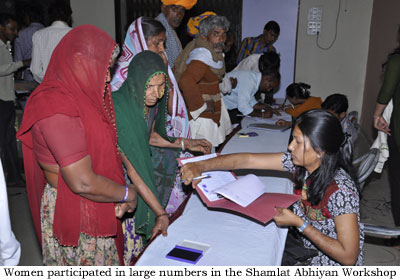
(212, 21)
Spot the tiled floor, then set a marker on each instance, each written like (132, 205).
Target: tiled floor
(375, 208)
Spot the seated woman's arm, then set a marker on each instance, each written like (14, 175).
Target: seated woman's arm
(344, 249)
(162, 221)
(270, 161)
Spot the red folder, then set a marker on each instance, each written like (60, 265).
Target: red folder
(262, 209)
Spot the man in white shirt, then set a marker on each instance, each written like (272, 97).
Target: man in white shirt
(242, 101)
(45, 40)
(8, 144)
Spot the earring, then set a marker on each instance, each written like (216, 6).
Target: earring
(318, 156)
(162, 93)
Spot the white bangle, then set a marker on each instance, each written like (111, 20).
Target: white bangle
(126, 194)
(303, 227)
(183, 144)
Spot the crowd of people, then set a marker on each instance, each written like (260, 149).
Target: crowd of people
(102, 131)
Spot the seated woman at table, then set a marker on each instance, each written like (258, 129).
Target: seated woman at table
(300, 100)
(320, 158)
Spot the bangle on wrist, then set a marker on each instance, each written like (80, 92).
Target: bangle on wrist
(126, 194)
(182, 144)
(163, 214)
(303, 227)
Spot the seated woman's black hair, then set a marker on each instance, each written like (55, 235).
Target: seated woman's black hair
(298, 90)
(325, 133)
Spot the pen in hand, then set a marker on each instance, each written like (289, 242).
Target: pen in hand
(199, 177)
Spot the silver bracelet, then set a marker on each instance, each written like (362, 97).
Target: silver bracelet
(183, 144)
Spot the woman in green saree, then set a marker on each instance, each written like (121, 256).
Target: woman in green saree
(141, 109)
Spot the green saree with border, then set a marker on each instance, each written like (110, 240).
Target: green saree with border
(156, 166)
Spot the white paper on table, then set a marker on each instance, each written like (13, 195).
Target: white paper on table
(216, 180)
(244, 190)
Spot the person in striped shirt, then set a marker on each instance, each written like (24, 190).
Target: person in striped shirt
(262, 43)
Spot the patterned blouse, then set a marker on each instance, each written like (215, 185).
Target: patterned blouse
(340, 198)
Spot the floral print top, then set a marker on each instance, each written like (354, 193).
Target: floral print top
(340, 198)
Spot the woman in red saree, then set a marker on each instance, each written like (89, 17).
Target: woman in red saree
(73, 170)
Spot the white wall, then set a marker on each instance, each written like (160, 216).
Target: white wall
(256, 13)
(97, 12)
(342, 68)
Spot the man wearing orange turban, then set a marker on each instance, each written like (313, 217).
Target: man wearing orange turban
(172, 13)
(187, 4)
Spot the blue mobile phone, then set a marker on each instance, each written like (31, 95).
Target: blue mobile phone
(185, 254)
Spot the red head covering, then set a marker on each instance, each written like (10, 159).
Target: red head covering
(75, 85)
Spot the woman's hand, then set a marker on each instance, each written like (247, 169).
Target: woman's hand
(162, 223)
(381, 124)
(122, 208)
(190, 171)
(128, 206)
(287, 218)
(198, 145)
(283, 123)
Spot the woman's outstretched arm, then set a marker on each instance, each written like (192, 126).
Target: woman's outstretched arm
(270, 161)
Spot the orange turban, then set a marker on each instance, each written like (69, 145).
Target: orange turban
(188, 4)
(193, 23)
